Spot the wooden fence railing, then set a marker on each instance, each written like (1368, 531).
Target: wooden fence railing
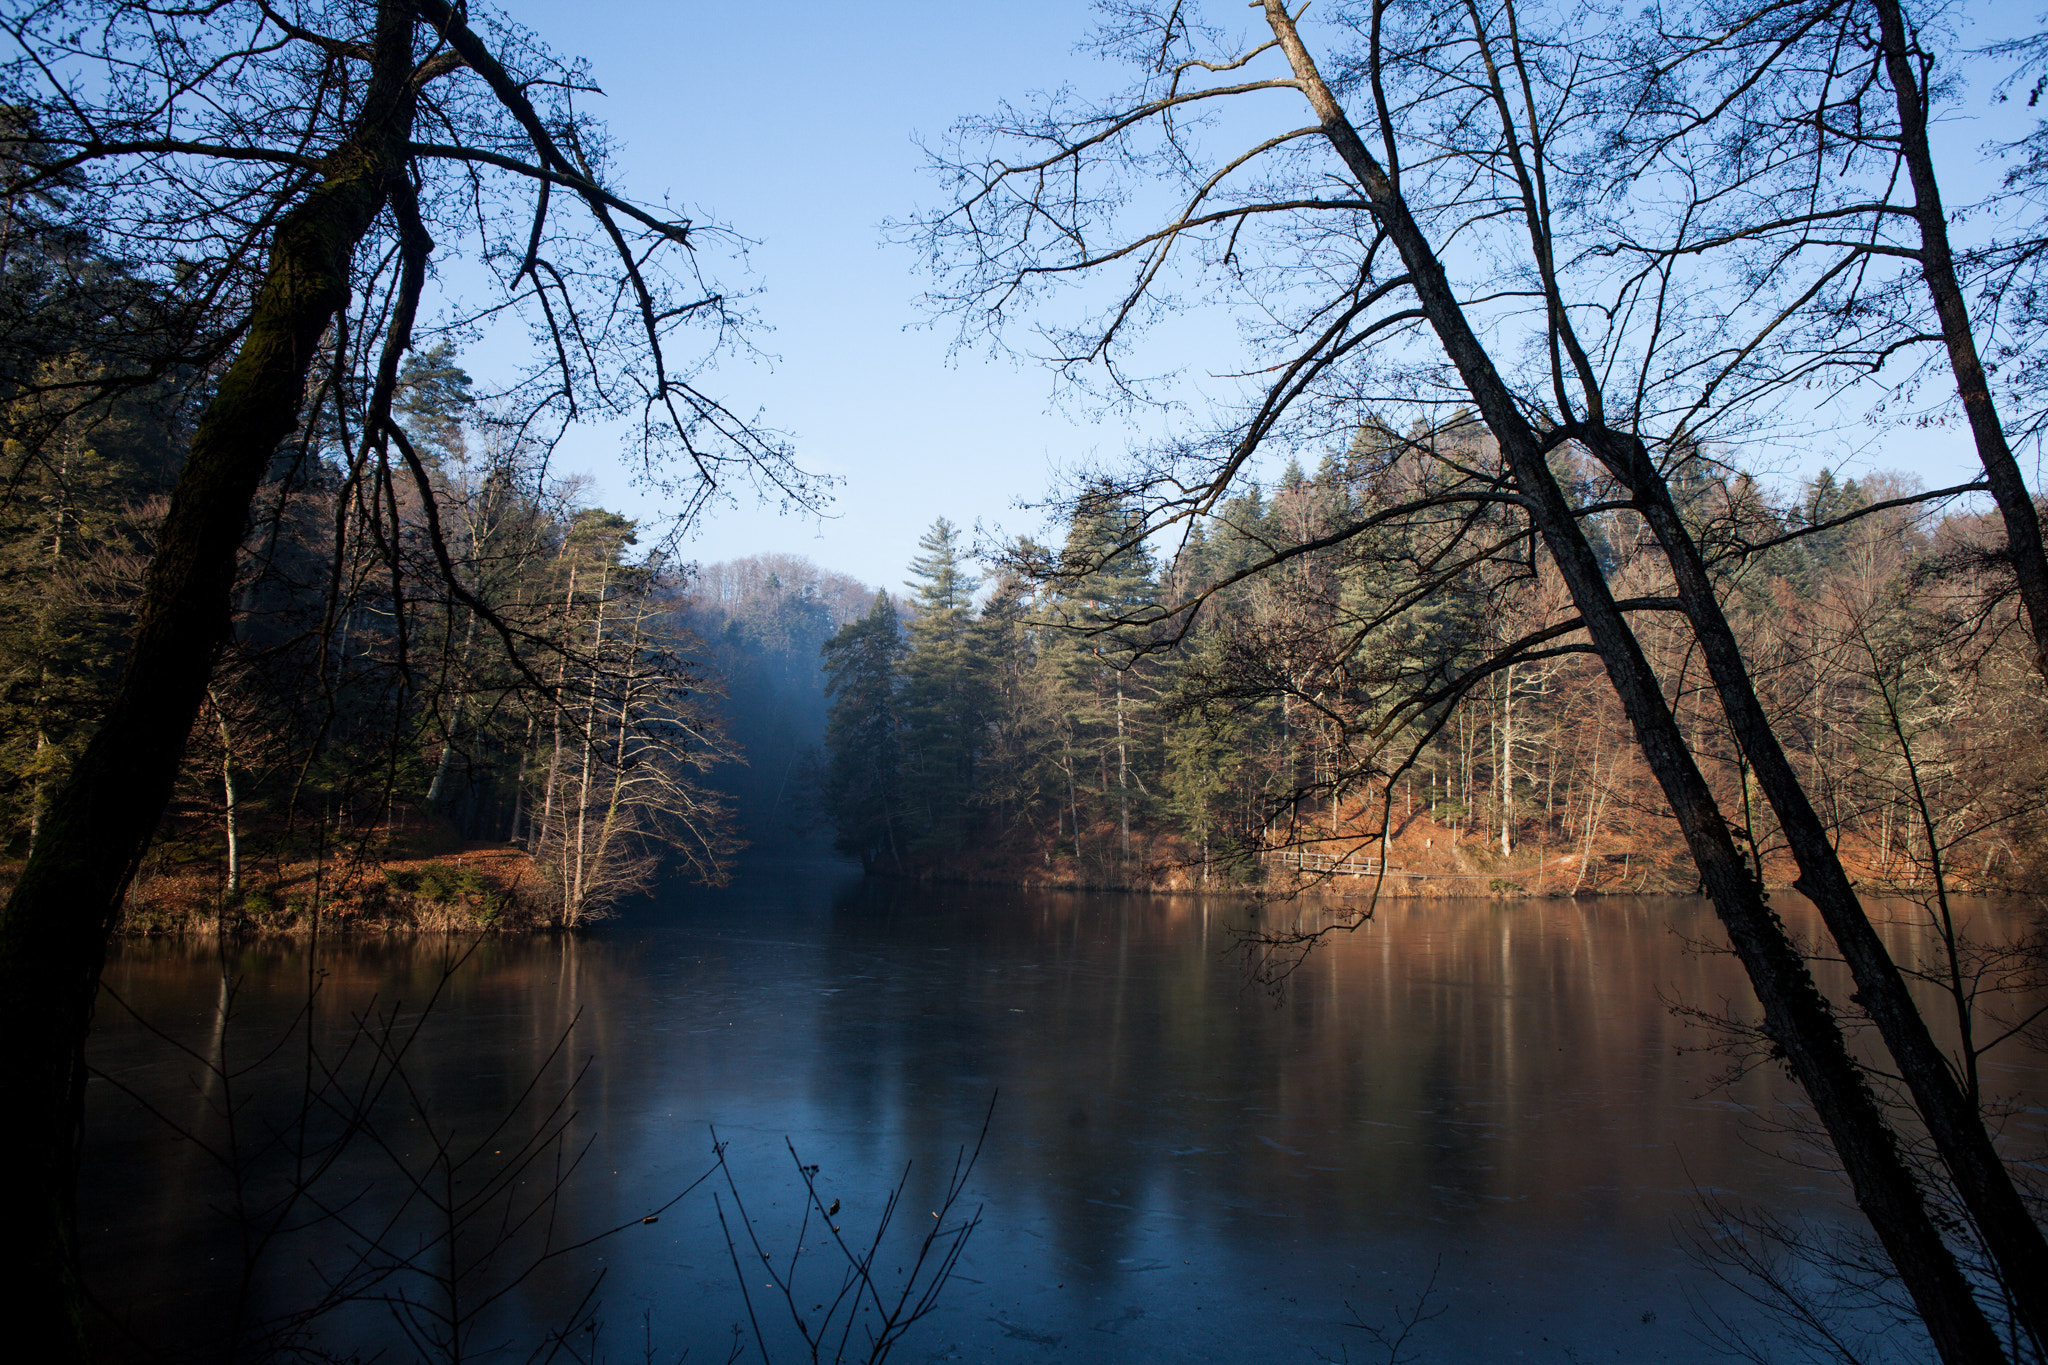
(1350, 865)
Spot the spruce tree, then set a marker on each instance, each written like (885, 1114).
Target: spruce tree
(1110, 595)
(864, 733)
(944, 697)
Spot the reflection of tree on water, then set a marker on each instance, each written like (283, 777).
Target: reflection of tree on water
(1495, 1083)
(1466, 1066)
(335, 1193)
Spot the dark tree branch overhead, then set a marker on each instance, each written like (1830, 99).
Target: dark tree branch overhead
(281, 174)
(1616, 281)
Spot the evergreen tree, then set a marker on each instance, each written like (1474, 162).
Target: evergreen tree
(1824, 499)
(432, 400)
(1017, 779)
(1105, 617)
(1205, 759)
(864, 732)
(944, 701)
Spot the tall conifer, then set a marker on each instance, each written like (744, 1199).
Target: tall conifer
(945, 689)
(864, 734)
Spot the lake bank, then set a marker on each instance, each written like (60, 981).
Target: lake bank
(449, 888)
(1422, 859)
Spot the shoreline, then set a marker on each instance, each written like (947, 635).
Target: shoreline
(485, 892)
(444, 889)
(1342, 890)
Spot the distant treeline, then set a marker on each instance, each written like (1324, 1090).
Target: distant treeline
(1108, 716)
(509, 665)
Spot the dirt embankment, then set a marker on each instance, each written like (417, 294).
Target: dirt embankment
(1420, 859)
(417, 875)
(445, 887)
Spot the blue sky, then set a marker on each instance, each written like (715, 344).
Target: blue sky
(793, 122)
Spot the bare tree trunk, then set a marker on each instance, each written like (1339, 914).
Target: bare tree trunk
(435, 790)
(1465, 768)
(603, 865)
(2010, 1233)
(1796, 1017)
(547, 810)
(1596, 800)
(514, 834)
(1123, 773)
(38, 789)
(579, 857)
(227, 787)
(1507, 761)
(53, 936)
(1549, 790)
(1074, 807)
(35, 793)
(2023, 544)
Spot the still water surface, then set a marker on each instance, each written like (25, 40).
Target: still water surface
(1489, 1108)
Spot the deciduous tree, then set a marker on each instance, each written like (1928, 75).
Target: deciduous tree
(287, 173)
(1480, 127)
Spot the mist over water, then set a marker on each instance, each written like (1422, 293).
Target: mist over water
(1490, 1104)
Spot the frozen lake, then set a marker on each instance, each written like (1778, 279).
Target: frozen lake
(1488, 1110)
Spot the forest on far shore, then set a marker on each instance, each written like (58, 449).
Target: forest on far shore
(1092, 713)
(1100, 715)
(369, 747)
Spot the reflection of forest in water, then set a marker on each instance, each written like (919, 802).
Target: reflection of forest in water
(1500, 1084)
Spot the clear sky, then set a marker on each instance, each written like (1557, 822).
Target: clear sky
(792, 121)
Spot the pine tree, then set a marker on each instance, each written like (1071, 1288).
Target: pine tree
(1018, 779)
(1205, 756)
(432, 400)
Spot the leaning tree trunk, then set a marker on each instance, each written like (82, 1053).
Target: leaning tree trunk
(1797, 1018)
(2023, 545)
(55, 929)
(1953, 1119)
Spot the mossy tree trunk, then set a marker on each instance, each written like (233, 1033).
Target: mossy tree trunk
(55, 929)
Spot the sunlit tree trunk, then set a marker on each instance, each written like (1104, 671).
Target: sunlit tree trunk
(227, 788)
(1123, 772)
(550, 792)
(579, 853)
(1507, 761)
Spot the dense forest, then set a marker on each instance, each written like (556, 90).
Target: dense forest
(652, 719)
(443, 650)
(1165, 720)
(434, 640)
(365, 706)
(648, 718)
